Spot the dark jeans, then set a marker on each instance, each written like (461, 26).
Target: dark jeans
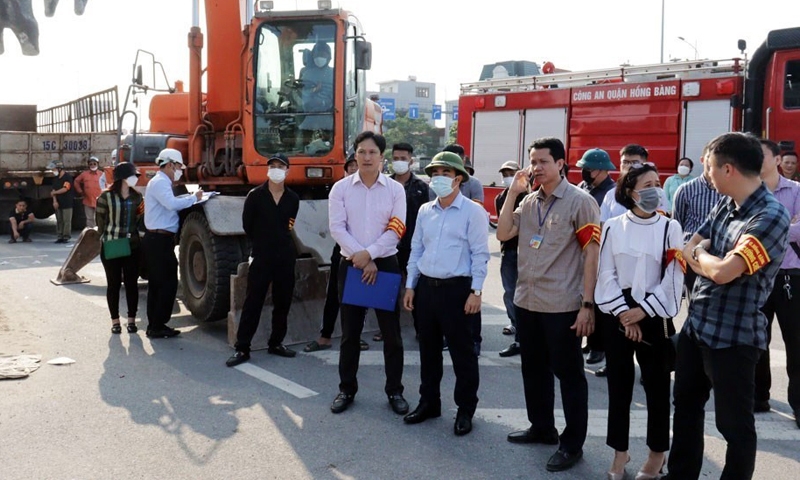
(352, 326)
(788, 312)
(162, 281)
(508, 276)
(24, 232)
(621, 379)
(548, 347)
(117, 269)
(731, 373)
(402, 259)
(331, 310)
(264, 272)
(441, 313)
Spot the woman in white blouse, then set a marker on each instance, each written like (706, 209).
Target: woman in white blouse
(639, 283)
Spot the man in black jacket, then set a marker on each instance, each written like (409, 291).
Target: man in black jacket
(268, 219)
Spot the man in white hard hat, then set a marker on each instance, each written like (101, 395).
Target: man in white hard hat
(161, 220)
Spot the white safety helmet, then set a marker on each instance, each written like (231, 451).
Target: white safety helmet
(169, 155)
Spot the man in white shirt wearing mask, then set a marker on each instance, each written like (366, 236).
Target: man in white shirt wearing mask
(161, 220)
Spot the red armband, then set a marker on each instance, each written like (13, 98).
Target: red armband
(397, 226)
(677, 255)
(587, 234)
(753, 253)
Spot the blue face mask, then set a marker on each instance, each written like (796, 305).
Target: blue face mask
(442, 186)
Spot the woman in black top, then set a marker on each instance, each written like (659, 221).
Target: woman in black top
(120, 208)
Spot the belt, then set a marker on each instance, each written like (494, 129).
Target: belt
(161, 231)
(444, 282)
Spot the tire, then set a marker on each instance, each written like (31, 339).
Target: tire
(6, 206)
(207, 262)
(493, 224)
(43, 208)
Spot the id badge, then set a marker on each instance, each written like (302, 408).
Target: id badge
(536, 241)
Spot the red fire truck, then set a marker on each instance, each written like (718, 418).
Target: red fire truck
(673, 109)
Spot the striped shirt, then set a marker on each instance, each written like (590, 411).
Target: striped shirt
(692, 203)
(118, 217)
(727, 315)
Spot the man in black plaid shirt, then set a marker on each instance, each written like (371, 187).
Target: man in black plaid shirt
(736, 254)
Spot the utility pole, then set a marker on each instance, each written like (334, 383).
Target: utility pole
(662, 31)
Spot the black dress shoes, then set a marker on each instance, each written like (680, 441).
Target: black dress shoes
(595, 357)
(562, 460)
(281, 351)
(510, 351)
(532, 436)
(398, 404)
(761, 407)
(601, 372)
(237, 358)
(423, 412)
(341, 402)
(163, 332)
(463, 423)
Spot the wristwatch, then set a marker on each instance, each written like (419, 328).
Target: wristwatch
(477, 293)
(587, 304)
(694, 250)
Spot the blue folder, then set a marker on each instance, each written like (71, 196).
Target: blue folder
(382, 295)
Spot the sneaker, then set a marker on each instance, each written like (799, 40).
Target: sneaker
(162, 332)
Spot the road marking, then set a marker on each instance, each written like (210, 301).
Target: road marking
(772, 426)
(276, 381)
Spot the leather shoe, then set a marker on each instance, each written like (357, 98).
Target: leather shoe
(423, 412)
(163, 332)
(341, 402)
(398, 404)
(595, 357)
(237, 358)
(601, 372)
(562, 460)
(762, 407)
(463, 423)
(531, 436)
(281, 351)
(510, 351)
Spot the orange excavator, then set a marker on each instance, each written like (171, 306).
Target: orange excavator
(290, 82)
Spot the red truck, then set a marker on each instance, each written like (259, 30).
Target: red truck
(673, 109)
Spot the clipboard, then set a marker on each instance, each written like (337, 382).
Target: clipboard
(382, 295)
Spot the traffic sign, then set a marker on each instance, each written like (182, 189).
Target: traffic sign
(387, 106)
(437, 112)
(455, 113)
(413, 111)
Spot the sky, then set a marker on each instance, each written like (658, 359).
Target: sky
(442, 41)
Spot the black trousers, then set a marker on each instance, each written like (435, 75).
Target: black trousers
(788, 312)
(162, 282)
(353, 325)
(331, 309)
(621, 378)
(731, 373)
(440, 306)
(402, 259)
(117, 270)
(548, 347)
(264, 272)
(596, 341)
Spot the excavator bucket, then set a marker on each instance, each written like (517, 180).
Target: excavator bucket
(85, 250)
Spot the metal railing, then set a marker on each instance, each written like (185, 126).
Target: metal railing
(97, 113)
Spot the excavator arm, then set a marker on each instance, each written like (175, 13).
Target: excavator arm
(17, 15)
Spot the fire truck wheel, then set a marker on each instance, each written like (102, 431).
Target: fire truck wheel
(207, 262)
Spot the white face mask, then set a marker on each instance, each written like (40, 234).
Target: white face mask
(320, 61)
(684, 170)
(132, 180)
(507, 181)
(177, 175)
(400, 167)
(442, 186)
(93, 168)
(276, 175)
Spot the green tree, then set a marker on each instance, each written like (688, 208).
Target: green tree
(452, 135)
(423, 136)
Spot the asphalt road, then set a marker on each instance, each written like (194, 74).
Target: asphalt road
(130, 407)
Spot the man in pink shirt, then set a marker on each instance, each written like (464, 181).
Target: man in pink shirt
(87, 185)
(367, 212)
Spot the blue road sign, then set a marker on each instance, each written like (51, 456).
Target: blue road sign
(455, 113)
(413, 110)
(387, 105)
(437, 112)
